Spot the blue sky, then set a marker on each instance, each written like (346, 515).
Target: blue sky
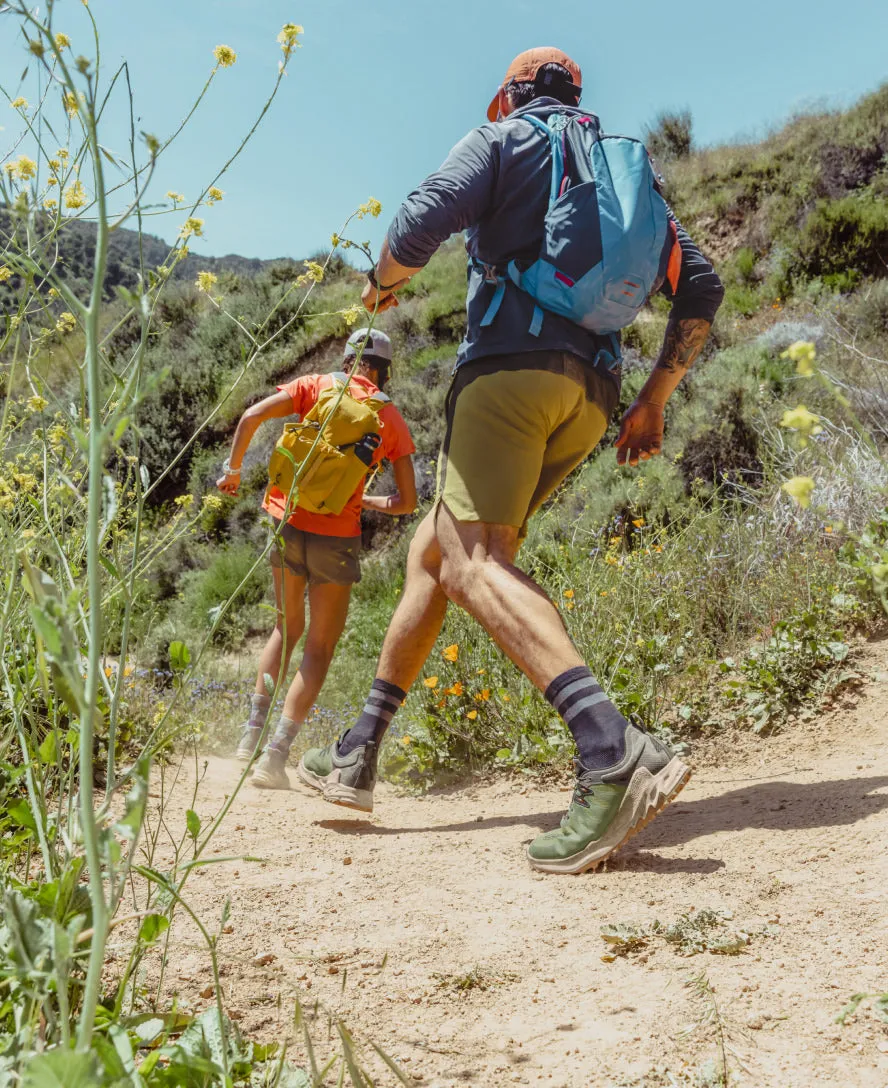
(379, 93)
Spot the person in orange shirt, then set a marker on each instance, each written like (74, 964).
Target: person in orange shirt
(320, 552)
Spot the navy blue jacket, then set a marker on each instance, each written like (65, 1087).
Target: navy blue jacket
(494, 186)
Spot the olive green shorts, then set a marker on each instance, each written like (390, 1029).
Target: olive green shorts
(317, 558)
(517, 425)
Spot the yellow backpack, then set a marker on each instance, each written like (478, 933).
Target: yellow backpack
(322, 459)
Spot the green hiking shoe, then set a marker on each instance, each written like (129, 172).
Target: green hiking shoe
(343, 780)
(609, 806)
(248, 743)
(269, 773)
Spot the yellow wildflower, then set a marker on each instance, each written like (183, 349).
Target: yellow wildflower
(569, 593)
(212, 502)
(800, 488)
(50, 204)
(24, 168)
(75, 195)
(507, 698)
(314, 271)
(19, 103)
(72, 103)
(455, 689)
(63, 153)
(36, 403)
(182, 500)
(5, 273)
(62, 41)
(53, 292)
(192, 225)
(800, 419)
(58, 435)
(225, 56)
(802, 353)
(431, 681)
(483, 696)
(176, 198)
(480, 672)
(351, 315)
(638, 523)
(472, 715)
(289, 37)
(214, 194)
(335, 240)
(206, 280)
(406, 740)
(450, 653)
(371, 207)
(54, 164)
(66, 323)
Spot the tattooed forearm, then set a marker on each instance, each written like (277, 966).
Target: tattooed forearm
(683, 343)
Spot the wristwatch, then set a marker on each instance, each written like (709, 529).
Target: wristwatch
(371, 276)
(228, 470)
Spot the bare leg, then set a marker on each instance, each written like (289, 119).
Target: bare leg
(328, 605)
(418, 619)
(289, 595)
(478, 573)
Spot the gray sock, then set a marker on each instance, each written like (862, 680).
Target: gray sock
(259, 708)
(284, 735)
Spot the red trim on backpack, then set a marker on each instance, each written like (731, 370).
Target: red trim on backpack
(566, 280)
(673, 268)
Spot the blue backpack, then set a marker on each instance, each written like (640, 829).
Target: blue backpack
(605, 231)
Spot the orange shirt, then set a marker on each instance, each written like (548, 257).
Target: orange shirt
(396, 442)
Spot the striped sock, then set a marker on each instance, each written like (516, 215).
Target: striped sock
(284, 735)
(381, 706)
(598, 728)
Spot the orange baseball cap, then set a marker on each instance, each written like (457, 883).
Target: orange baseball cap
(525, 66)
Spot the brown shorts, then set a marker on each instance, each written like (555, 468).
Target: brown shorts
(517, 425)
(318, 559)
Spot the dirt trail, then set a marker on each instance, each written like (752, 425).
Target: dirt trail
(381, 920)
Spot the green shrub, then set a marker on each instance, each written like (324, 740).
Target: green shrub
(842, 236)
(205, 590)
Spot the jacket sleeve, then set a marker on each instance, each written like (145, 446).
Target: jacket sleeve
(698, 291)
(453, 198)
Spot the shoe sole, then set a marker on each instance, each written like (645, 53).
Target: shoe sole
(347, 796)
(309, 778)
(266, 782)
(645, 798)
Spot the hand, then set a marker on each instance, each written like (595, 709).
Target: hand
(386, 298)
(641, 433)
(229, 483)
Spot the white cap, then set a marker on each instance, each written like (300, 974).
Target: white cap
(374, 343)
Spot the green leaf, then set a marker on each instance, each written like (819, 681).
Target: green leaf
(62, 1068)
(152, 927)
(192, 822)
(180, 656)
(503, 753)
(48, 750)
(20, 812)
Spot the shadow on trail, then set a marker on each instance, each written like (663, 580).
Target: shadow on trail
(777, 806)
(771, 806)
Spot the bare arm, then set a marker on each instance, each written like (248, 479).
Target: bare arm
(403, 501)
(277, 406)
(641, 429)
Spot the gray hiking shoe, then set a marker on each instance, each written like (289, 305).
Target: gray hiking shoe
(248, 743)
(609, 806)
(269, 773)
(343, 780)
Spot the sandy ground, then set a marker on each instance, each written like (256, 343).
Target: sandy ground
(425, 930)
